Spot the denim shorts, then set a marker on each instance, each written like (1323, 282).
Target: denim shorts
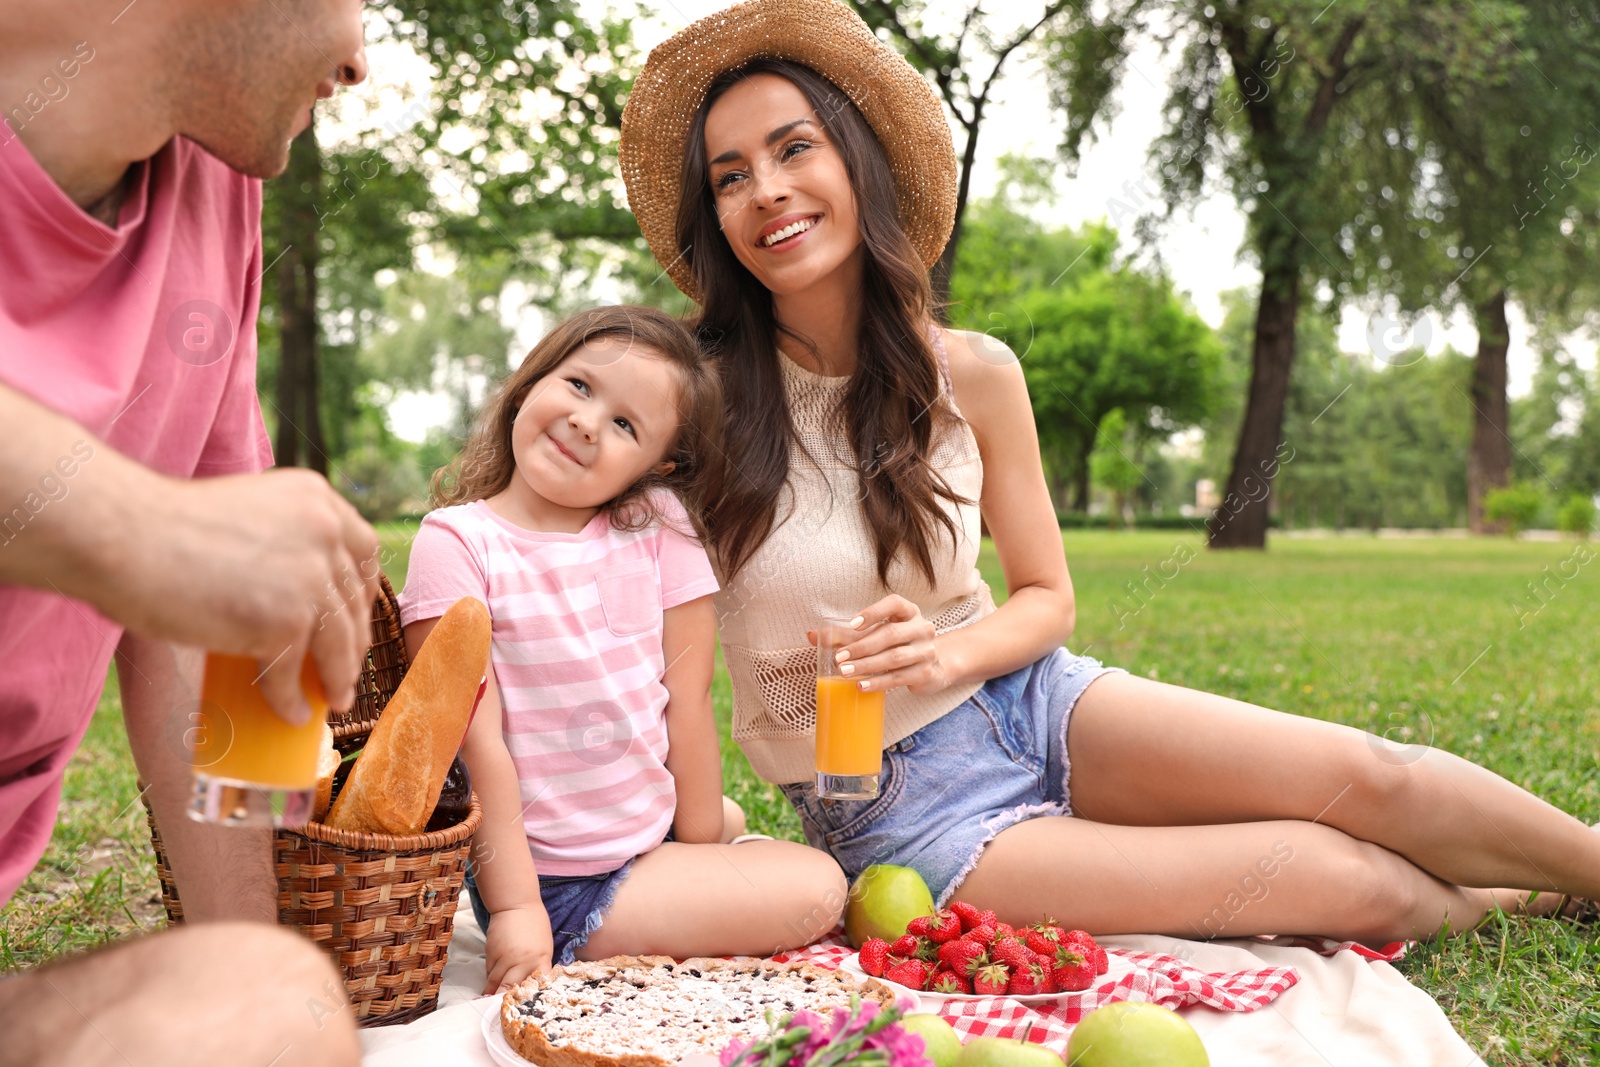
(945, 791)
(577, 905)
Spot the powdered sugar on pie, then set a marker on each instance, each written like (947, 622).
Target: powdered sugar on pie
(651, 1011)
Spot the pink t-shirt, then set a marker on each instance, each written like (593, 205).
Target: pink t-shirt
(145, 335)
(576, 650)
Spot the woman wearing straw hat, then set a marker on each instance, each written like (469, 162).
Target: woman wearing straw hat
(796, 178)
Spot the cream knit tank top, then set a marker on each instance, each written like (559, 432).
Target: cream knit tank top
(819, 560)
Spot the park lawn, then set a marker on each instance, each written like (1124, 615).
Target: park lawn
(1431, 640)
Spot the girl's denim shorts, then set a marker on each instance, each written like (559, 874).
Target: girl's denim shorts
(577, 905)
(945, 791)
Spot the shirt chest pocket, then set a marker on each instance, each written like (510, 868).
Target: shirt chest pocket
(630, 597)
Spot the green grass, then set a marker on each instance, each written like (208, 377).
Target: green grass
(97, 881)
(1417, 639)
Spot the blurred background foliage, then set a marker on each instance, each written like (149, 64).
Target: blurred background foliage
(1398, 155)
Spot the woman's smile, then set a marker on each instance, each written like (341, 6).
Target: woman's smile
(787, 232)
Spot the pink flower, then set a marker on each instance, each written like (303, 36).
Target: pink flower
(903, 1049)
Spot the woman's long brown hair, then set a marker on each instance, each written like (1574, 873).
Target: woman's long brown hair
(486, 463)
(894, 411)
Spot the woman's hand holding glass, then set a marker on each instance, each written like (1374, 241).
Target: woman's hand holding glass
(903, 650)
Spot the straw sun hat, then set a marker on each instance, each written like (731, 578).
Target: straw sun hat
(830, 38)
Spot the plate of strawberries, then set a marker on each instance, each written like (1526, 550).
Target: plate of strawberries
(961, 953)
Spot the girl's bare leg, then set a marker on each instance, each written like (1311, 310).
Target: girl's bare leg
(732, 819)
(1148, 754)
(755, 899)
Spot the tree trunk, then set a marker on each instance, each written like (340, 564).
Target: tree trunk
(1241, 520)
(1489, 462)
(1080, 471)
(939, 279)
(300, 441)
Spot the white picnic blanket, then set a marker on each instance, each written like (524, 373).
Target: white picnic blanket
(1345, 1011)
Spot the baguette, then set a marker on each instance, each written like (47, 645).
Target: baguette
(327, 766)
(395, 783)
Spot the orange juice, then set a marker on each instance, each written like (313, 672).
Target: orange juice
(240, 738)
(849, 728)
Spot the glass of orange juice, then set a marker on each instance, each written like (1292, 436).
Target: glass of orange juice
(849, 722)
(250, 767)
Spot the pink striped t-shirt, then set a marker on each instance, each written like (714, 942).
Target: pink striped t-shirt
(576, 650)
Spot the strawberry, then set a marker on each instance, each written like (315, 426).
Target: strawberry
(944, 926)
(1009, 951)
(920, 925)
(982, 934)
(1074, 969)
(1004, 930)
(1045, 960)
(1074, 977)
(1047, 984)
(962, 956)
(1102, 962)
(988, 918)
(950, 982)
(912, 973)
(905, 945)
(1083, 941)
(1026, 981)
(991, 981)
(875, 956)
(1071, 952)
(966, 913)
(1044, 940)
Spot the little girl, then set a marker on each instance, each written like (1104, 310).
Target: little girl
(594, 751)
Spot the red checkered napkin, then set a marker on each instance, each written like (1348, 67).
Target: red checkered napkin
(1156, 978)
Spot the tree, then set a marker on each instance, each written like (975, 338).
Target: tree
(1113, 469)
(443, 331)
(965, 67)
(1472, 190)
(1092, 338)
(1259, 100)
(510, 158)
(1365, 446)
(1556, 428)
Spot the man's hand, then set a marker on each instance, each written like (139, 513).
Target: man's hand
(519, 944)
(272, 566)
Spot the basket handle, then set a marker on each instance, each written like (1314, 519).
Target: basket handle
(385, 664)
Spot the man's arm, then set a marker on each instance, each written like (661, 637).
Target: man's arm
(271, 566)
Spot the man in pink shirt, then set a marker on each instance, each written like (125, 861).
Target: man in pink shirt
(134, 517)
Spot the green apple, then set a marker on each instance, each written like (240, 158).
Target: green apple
(939, 1040)
(882, 901)
(1130, 1034)
(1005, 1052)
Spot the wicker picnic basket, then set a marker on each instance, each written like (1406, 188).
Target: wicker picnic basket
(381, 906)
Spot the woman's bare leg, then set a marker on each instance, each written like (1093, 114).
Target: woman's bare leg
(1148, 754)
(1231, 880)
(754, 899)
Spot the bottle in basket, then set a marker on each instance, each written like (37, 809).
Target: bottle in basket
(251, 768)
